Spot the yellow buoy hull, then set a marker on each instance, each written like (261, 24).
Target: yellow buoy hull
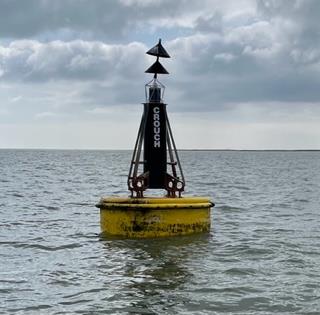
(154, 217)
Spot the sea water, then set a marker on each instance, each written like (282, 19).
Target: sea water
(262, 255)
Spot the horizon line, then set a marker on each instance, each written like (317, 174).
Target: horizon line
(188, 149)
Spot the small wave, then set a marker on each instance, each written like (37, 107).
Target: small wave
(62, 283)
(17, 195)
(16, 223)
(75, 302)
(47, 192)
(257, 251)
(55, 248)
(94, 290)
(12, 281)
(240, 271)
(202, 183)
(40, 246)
(9, 242)
(242, 187)
(31, 308)
(250, 301)
(241, 289)
(94, 236)
(239, 187)
(279, 215)
(5, 291)
(229, 208)
(301, 200)
(78, 204)
(50, 207)
(283, 231)
(293, 261)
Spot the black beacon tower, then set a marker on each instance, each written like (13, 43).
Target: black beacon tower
(158, 166)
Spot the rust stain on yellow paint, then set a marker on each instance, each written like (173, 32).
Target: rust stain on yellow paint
(154, 217)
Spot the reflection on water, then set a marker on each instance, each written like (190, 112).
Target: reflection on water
(154, 270)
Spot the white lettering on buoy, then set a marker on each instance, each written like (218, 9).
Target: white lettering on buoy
(156, 127)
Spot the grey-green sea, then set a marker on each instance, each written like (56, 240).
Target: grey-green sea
(262, 255)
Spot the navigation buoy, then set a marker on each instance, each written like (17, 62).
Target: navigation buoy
(155, 164)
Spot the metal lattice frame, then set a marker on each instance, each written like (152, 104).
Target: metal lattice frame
(138, 181)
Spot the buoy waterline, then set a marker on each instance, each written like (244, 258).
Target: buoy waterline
(155, 164)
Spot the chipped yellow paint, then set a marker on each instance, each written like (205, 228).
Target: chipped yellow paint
(154, 217)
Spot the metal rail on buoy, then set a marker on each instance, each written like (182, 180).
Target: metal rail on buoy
(150, 170)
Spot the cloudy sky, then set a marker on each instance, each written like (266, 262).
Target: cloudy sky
(244, 74)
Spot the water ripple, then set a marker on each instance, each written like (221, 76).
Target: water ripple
(261, 257)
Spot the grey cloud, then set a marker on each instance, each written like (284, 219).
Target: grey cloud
(299, 10)
(251, 57)
(76, 60)
(29, 18)
(213, 23)
(264, 59)
(299, 19)
(110, 19)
